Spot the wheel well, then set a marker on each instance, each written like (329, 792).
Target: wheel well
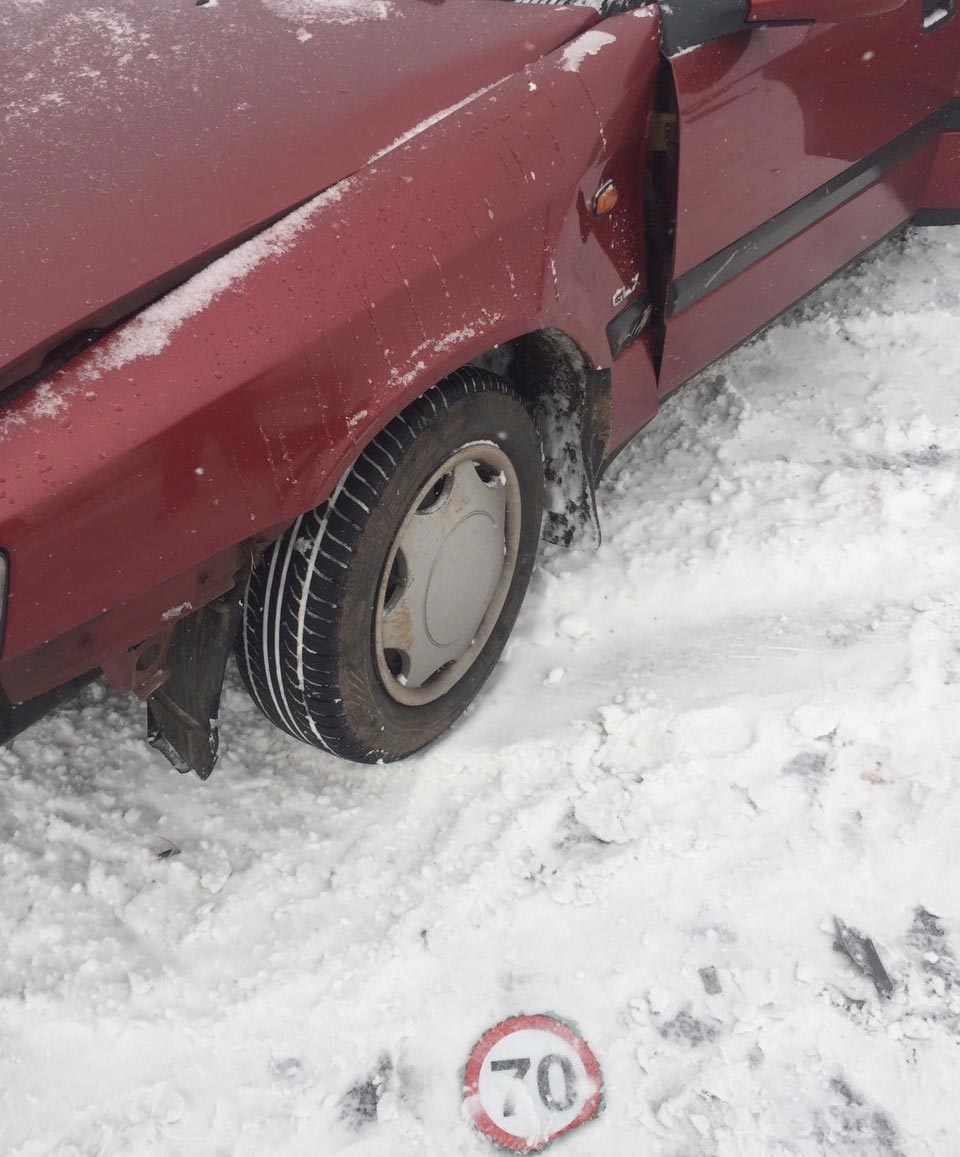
(570, 400)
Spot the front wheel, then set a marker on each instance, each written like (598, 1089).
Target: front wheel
(376, 618)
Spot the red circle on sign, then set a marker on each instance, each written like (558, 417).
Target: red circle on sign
(471, 1081)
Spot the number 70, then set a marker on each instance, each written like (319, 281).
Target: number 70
(520, 1066)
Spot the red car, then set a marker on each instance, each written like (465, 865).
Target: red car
(314, 311)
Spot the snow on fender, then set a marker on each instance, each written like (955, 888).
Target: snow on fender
(529, 1080)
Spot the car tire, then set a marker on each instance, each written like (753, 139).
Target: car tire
(373, 622)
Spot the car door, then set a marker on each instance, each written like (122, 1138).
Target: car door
(800, 145)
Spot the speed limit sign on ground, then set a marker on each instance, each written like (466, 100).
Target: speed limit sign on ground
(530, 1079)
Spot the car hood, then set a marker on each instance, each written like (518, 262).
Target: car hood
(140, 140)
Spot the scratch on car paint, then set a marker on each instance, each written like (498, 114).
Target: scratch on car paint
(443, 280)
(271, 460)
(506, 264)
(596, 112)
(378, 336)
(430, 121)
(285, 453)
(520, 165)
(557, 147)
(411, 298)
(711, 280)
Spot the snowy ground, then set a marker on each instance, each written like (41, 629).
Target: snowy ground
(738, 720)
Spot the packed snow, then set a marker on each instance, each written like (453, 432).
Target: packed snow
(720, 745)
(589, 44)
(329, 11)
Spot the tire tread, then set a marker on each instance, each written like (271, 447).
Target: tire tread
(290, 634)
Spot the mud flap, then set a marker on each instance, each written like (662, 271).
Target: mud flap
(182, 715)
(573, 417)
(570, 516)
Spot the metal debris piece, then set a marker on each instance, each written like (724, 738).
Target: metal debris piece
(170, 850)
(860, 949)
(711, 982)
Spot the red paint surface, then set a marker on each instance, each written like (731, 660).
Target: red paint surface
(136, 138)
(471, 1081)
(770, 115)
(775, 283)
(474, 232)
(122, 491)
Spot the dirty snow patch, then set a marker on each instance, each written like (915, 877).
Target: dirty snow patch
(589, 44)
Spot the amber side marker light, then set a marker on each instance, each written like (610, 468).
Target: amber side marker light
(605, 199)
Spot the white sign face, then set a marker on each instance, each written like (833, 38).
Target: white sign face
(529, 1080)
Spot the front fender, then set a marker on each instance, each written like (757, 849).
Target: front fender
(233, 404)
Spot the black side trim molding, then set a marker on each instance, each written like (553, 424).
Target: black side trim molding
(937, 217)
(716, 271)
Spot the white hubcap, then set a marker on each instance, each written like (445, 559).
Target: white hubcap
(448, 573)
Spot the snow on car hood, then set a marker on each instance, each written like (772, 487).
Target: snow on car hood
(139, 140)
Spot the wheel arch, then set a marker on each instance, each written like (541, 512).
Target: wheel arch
(570, 398)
